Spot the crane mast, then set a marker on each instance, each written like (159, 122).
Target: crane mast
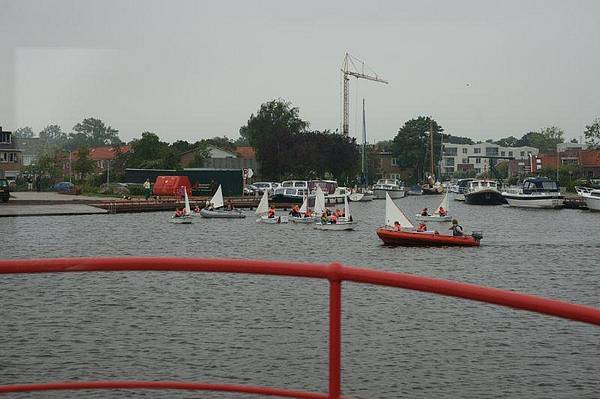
(349, 68)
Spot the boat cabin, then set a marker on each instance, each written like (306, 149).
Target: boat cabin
(475, 185)
(328, 186)
(537, 184)
(294, 184)
(388, 184)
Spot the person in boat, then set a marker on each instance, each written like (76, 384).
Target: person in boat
(328, 212)
(295, 211)
(457, 230)
(422, 227)
(197, 209)
(308, 213)
(442, 211)
(230, 206)
(324, 218)
(424, 212)
(271, 212)
(179, 213)
(333, 219)
(397, 226)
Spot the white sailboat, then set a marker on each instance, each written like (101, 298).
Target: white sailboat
(216, 209)
(186, 218)
(436, 217)
(302, 218)
(262, 211)
(342, 223)
(394, 214)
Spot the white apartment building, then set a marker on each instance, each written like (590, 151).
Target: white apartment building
(467, 157)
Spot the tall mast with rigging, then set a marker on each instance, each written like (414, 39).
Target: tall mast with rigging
(365, 179)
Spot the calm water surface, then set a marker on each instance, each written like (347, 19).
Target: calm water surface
(273, 331)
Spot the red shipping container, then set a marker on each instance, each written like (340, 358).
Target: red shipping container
(171, 185)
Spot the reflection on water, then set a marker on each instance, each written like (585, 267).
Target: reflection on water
(273, 331)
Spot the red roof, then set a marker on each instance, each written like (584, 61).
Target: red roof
(105, 153)
(246, 152)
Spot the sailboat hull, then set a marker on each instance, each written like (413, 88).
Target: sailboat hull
(221, 214)
(433, 218)
(275, 220)
(335, 226)
(182, 219)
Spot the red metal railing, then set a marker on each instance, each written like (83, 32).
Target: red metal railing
(334, 272)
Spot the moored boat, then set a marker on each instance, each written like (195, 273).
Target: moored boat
(535, 192)
(461, 187)
(484, 192)
(393, 187)
(591, 197)
(415, 190)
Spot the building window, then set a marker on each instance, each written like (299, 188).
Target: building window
(465, 160)
(394, 161)
(451, 152)
(477, 160)
(449, 161)
(477, 150)
(477, 170)
(491, 151)
(465, 150)
(503, 153)
(522, 153)
(510, 153)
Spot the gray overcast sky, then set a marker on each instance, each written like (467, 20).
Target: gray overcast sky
(193, 69)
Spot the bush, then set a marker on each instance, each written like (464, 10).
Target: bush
(135, 189)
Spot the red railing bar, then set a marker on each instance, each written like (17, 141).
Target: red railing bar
(335, 333)
(495, 296)
(179, 385)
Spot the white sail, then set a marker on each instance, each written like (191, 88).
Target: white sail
(263, 205)
(304, 205)
(346, 207)
(394, 214)
(217, 199)
(188, 211)
(444, 204)
(319, 202)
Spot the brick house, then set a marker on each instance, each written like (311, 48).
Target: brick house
(11, 160)
(586, 161)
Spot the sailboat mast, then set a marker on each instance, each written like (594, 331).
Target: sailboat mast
(364, 147)
(431, 142)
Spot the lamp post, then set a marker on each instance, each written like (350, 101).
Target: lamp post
(70, 170)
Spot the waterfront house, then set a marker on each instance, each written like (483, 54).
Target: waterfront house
(11, 159)
(466, 157)
(241, 158)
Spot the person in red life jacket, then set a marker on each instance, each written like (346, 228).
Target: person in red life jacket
(333, 219)
(422, 227)
(424, 212)
(442, 211)
(397, 226)
(271, 212)
(308, 213)
(197, 209)
(178, 213)
(338, 213)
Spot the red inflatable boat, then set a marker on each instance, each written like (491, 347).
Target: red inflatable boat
(412, 238)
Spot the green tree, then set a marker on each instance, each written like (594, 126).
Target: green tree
(83, 164)
(52, 135)
(201, 154)
(93, 132)
(544, 140)
(510, 141)
(592, 134)
(412, 144)
(49, 163)
(180, 146)
(23, 133)
(271, 133)
(151, 153)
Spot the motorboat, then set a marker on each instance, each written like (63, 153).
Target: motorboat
(415, 190)
(403, 234)
(535, 192)
(337, 196)
(591, 196)
(290, 194)
(187, 217)
(462, 186)
(216, 209)
(484, 192)
(436, 217)
(393, 187)
(361, 195)
(432, 187)
(262, 212)
(341, 224)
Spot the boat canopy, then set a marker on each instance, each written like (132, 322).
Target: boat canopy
(534, 184)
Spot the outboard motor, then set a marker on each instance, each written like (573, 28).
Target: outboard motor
(478, 235)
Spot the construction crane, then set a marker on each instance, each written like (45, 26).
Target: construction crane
(349, 68)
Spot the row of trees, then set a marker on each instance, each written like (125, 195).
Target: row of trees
(286, 148)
